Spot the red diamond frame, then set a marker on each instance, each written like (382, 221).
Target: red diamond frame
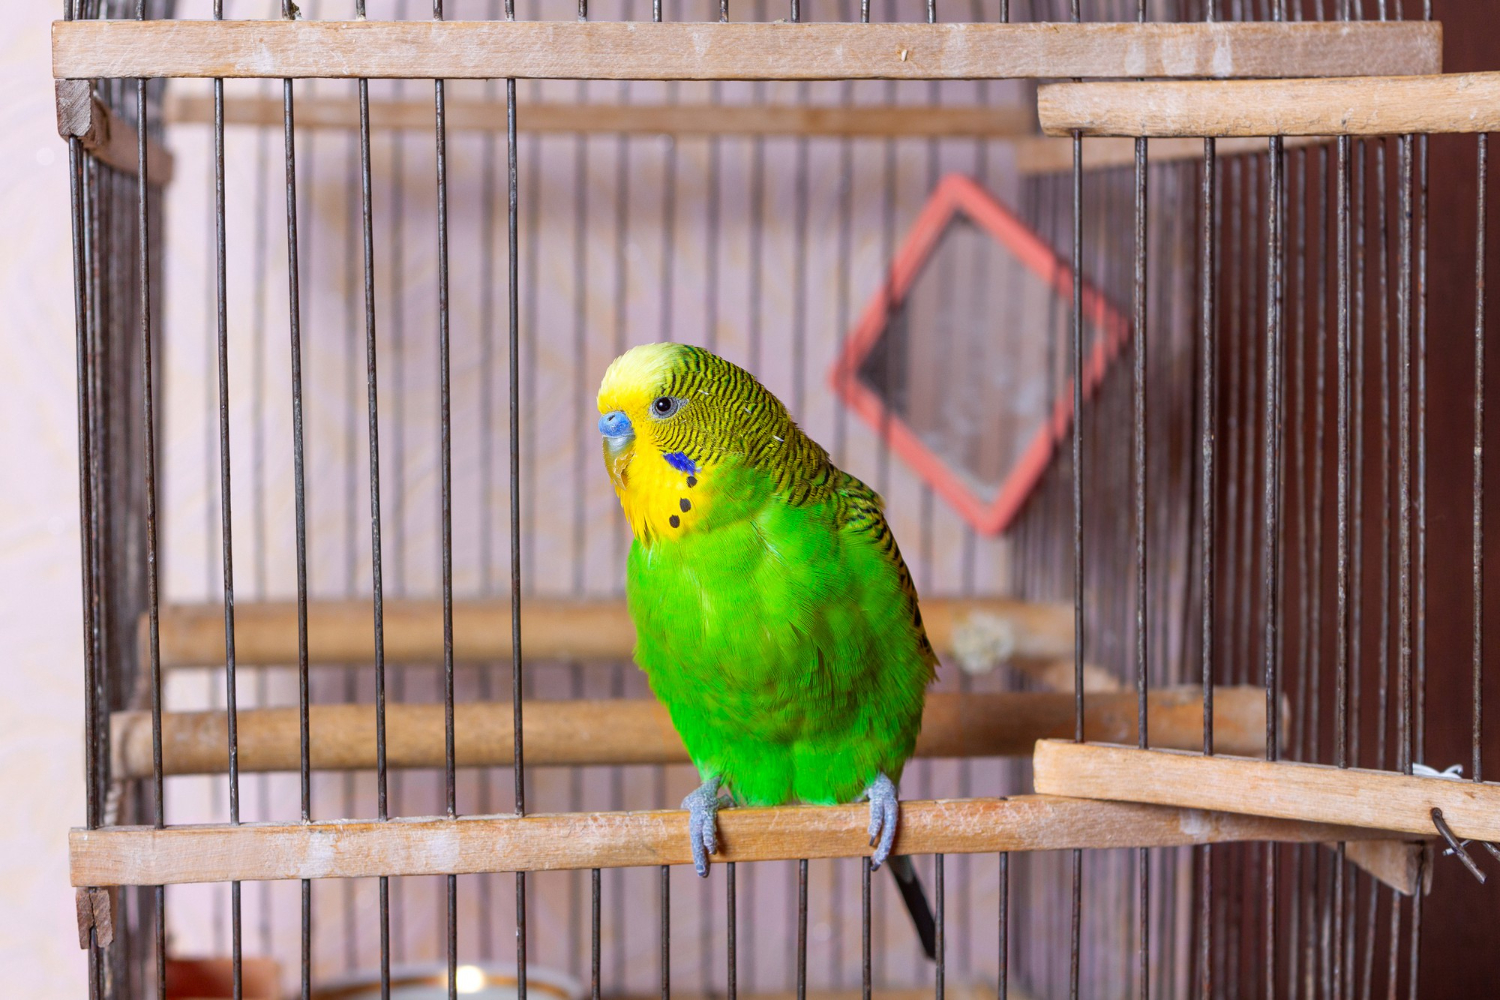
(958, 195)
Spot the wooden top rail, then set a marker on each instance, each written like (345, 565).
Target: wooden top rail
(1314, 793)
(1369, 105)
(343, 631)
(603, 50)
(639, 731)
(359, 849)
(913, 121)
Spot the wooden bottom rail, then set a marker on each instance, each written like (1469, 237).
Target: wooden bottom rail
(1315, 793)
(363, 849)
(341, 632)
(639, 731)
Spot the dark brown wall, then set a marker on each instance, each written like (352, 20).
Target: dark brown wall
(1459, 934)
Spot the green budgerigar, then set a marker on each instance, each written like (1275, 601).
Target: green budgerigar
(774, 615)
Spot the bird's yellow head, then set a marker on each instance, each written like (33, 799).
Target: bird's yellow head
(671, 415)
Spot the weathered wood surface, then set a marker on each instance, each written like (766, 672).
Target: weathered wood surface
(1460, 102)
(604, 50)
(351, 849)
(339, 632)
(464, 114)
(1316, 793)
(639, 731)
(111, 141)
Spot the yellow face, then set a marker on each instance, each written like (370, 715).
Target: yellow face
(643, 426)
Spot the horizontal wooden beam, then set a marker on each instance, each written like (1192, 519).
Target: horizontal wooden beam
(462, 114)
(639, 731)
(109, 139)
(1047, 155)
(604, 50)
(341, 632)
(1461, 102)
(1316, 793)
(360, 849)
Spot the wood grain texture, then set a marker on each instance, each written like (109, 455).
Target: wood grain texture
(1315, 793)
(1368, 105)
(601, 50)
(108, 138)
(1396, 863)
(639, 731)
(1047, 155)
(342, 632)
(437, 846)
(621, 119)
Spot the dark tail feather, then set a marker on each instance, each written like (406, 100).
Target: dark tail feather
(916, 902)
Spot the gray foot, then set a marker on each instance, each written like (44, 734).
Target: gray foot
(883, 810)
(703, 805)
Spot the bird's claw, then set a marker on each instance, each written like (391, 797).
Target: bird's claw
(703, 805)
(883, 812)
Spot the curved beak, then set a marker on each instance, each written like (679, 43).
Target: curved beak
(616, 429)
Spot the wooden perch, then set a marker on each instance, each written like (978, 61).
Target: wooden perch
(1046, 155)
(356, 849)
(638, 731)
(1312, 792)
(111, 141)
(342, 632)
(605, 50)
(620, 119)
(1368, 105)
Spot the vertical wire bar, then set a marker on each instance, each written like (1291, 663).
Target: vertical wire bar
(1004, 921)
(1271, 498)
(665, 885)
(864, 896)
(1076, 922)
(1342, 915)
(153, 593)
(1404, 498)
(595, 893)
(1138, 407)
(801, 930)
(300, 500)
(445, 439)
(731, 943)
(513, 272)
(231, 691)
(1208, 417)
(376, 561)
(939, 921)
(1478, 602)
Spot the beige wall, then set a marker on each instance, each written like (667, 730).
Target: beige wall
(41, 746)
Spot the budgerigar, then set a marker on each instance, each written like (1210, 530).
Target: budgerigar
(774, 615)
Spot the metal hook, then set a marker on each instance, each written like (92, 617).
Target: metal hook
(1455, 848)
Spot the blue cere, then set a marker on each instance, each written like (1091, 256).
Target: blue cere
(615, 424)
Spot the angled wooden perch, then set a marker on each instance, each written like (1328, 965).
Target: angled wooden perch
(111, 140)
(352, 849)
(1365, 105)
(604, 50)
(638, 731)
(342, 632)
(1315, 793)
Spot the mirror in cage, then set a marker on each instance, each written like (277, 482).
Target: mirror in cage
(961, 361)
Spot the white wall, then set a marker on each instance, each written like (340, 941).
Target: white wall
(41, 744)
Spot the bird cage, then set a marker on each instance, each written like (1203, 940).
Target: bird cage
(361, 716)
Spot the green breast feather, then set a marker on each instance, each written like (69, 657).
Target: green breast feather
(785, 642)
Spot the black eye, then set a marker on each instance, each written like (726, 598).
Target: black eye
(665, 406)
